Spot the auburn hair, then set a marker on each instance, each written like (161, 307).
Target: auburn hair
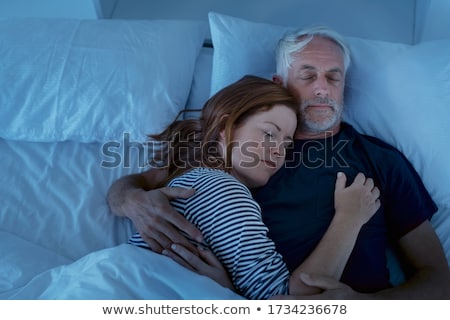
(187, 144)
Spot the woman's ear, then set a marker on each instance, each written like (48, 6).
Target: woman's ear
(221, 144)
(223, 121)
(222, 136)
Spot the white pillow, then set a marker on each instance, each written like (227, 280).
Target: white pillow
(93, 80)
(399, 93)
(241, 47)
(200, 84)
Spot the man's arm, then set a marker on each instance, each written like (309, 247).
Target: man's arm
(422, 249)
(120, 190)
(134, 196)
(424, 252)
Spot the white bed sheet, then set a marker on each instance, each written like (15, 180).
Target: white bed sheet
(125, 272)
(21, 260)
(58, 239)
(55, 196)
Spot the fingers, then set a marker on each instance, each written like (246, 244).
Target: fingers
(165, 236)
(178, 220)
(154, 245)
(177, 192)
(161, 239)
(359, 179)
(375, 194)
(158, 222)
(359, 201)
(377, 205)
(177, 257)
(155, 219)
(359, 182)
(372, 193)
(321, 282)
(369, 184)
(209, 257)
(199, 259)
(205, 263)
(189, 257)
(341, 181)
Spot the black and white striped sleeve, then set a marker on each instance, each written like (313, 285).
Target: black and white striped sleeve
(230, 220)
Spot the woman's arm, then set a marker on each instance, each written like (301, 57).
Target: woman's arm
(239, 239)
(231, 223)
(354, 206)
(134, 196)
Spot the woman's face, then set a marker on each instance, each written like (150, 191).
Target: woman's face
(259, 145)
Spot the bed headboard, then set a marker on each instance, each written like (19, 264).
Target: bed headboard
(406, 21)
(382, 20)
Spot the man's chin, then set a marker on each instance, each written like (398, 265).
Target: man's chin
(317, 128)
(320, 124)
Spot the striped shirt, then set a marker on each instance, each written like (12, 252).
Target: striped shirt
(230, 220)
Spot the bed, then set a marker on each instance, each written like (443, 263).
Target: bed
(78, 97)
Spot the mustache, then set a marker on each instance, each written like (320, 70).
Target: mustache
(320, 100)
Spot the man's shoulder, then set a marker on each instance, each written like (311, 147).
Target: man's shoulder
(368, 140)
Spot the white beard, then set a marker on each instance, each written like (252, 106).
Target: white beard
(316, 126)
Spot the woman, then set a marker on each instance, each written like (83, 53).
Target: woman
(239, 143)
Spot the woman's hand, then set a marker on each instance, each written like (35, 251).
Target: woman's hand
(359, 201)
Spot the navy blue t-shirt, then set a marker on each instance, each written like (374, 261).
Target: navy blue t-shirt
(298, 202)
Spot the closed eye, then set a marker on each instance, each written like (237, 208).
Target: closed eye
(307, 77)
(334, 79)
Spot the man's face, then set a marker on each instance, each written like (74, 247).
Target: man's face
(317, 78)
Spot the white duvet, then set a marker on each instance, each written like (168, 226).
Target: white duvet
(121, 272)
(58, 239)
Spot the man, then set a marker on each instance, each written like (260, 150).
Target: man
(297, 203)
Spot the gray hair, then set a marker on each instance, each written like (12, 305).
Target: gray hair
(295, 41)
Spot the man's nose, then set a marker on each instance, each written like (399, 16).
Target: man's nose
(321, 87)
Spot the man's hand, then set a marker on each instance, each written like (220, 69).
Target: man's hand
(157, 221)
(205, 263)
(332, 289)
